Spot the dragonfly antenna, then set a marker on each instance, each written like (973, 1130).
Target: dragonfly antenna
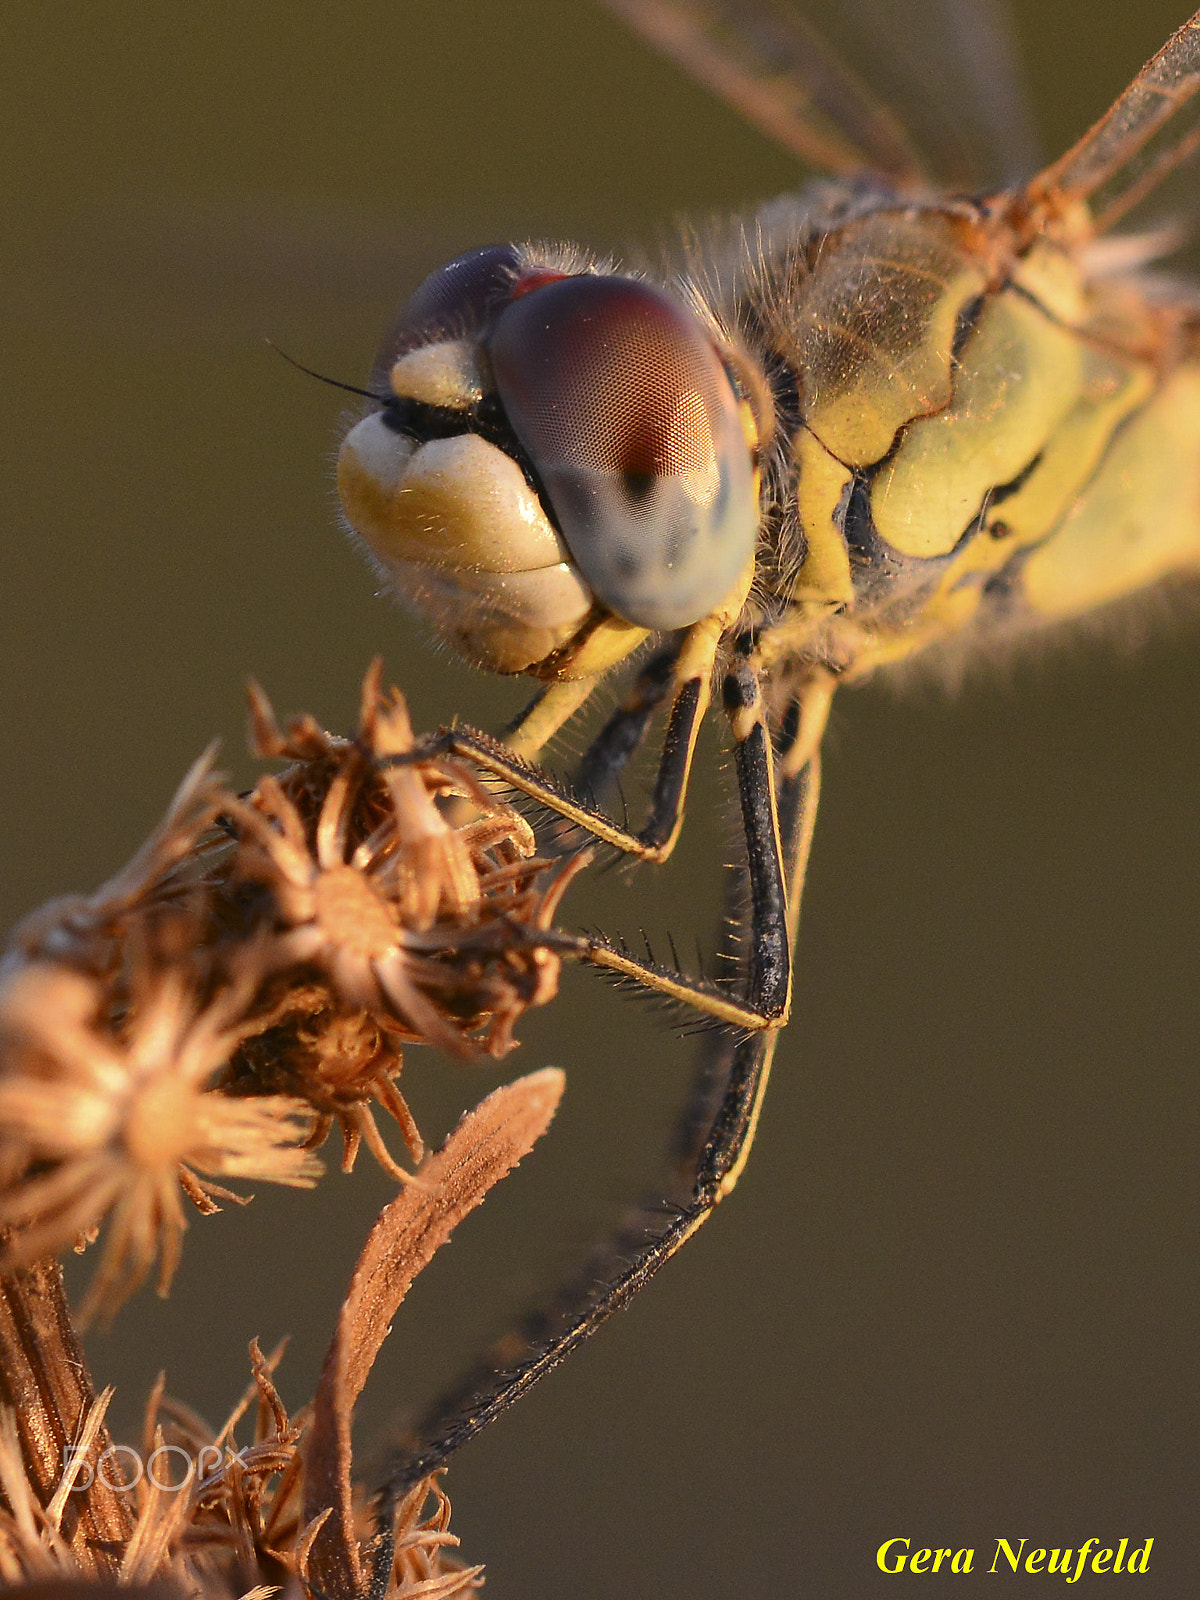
(334, 383)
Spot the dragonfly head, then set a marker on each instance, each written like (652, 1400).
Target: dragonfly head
(558, 464)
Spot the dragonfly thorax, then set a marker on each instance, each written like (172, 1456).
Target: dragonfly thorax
(974, 433)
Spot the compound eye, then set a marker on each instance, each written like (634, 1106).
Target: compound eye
(453, 302)
(632, 425)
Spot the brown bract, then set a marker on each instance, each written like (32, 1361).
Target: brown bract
(487, 1143)
(158, 898)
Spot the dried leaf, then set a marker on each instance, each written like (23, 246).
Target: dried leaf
(487, 1144)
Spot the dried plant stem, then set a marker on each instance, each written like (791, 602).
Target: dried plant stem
(45, 1382)
(249, 980)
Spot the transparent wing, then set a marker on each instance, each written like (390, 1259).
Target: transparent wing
(944, 102)
(953, 69)
(1142, 137)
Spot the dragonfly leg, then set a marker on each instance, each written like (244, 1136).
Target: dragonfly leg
(765, 1005)
(768, 995)
(711, 1150)
(619, 740)
(545, 714)
(508, 761)
(767, 999)
(692, 661)
(692, 690)
(623, 735)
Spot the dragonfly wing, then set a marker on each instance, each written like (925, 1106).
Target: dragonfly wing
(1143, 135)
(943, 104)
(953, 69)
(769, 63)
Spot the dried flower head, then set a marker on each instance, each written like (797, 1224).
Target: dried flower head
(213, 1509)
(115, 1117)
(229, 1515)
(340, 909)
(339, 1062)
(251, 978)
(423, 1564)
(411, 928)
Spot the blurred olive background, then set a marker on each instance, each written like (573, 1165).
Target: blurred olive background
(955, 1295)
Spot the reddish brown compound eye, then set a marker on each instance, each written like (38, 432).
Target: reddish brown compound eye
(632, 425)
(452, 303)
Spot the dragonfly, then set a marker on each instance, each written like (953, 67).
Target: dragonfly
(920, 405)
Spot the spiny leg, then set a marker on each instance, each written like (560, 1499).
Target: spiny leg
(692, 683)
(709, 1160)
(769, 997)
(683, 669)
(765, 1005)
(555, 704)
(694, 658)
(507, 761)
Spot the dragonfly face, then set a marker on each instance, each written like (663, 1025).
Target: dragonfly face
(883, 419)
(561, 463)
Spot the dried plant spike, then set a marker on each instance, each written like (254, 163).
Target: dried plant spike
(303, 740)
(234, 1519)
(246, 981)
(263, 733)
(486, 1145)
(346, 917)
(83, 1447)
(163, 1519)
(420, 1567)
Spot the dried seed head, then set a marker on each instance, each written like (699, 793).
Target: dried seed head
(411, 928)
(258, 952)
(114, 1117)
